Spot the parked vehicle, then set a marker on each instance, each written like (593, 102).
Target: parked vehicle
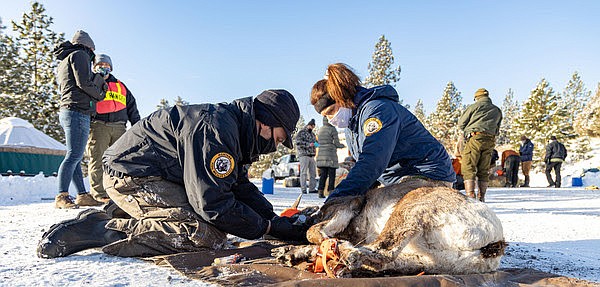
(285, 166)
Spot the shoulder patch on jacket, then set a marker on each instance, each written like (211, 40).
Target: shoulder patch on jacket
(371, 126)
(222, 164)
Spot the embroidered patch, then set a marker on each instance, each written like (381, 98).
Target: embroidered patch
(222, 164)
(371, 126)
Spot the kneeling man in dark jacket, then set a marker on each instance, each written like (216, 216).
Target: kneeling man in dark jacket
(178, 184)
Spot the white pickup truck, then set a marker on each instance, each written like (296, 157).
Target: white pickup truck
(285, 166)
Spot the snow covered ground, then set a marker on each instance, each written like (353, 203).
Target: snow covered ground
(553, 230)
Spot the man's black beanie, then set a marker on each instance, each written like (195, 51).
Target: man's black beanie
(278, 108)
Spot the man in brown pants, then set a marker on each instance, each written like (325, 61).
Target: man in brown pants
(481, 124)
(178, 183)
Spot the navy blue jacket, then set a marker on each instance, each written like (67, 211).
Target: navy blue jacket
(389, 142)
(526, 151)
(203, 147)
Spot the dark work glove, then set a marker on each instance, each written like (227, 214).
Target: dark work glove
(282, 228)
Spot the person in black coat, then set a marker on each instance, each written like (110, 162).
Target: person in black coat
(556, 153)
(177, 182)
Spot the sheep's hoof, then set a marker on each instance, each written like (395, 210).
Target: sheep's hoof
(284, 254)
(353, 260)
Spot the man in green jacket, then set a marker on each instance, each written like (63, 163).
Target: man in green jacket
(480, 123)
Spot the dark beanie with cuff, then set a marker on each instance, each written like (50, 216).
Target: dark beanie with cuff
(278, 108)
(103, 58)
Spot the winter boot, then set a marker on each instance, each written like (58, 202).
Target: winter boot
(470, 188)
(321, 195)
(65, 201)
(526, 183)
(85, 231)
(483, 185)
(114, 211)
(86, 199)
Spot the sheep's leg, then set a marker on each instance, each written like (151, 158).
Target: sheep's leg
(292, 255)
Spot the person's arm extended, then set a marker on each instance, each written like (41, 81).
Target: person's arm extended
(248, 193)
(92, 84)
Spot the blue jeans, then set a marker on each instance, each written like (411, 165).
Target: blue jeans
(77, 128)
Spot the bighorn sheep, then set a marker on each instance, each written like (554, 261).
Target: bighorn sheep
(406, 229)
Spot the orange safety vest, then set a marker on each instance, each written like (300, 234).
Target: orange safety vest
(115, 100)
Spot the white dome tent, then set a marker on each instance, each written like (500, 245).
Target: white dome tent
(24, 148)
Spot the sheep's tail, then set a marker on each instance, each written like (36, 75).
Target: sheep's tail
(494, 249)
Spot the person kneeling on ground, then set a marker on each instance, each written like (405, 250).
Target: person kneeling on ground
(177, 183)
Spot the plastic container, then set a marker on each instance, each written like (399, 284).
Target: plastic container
(267, 185)
(576, 181)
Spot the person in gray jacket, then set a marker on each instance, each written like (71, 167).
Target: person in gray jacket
(305, 148)
(80, 89)
(177, 182)
(327, 159)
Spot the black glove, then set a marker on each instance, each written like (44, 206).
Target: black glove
(282, 228)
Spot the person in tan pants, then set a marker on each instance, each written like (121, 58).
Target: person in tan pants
(526, 152)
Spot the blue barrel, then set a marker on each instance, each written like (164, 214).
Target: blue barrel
(576, 181)
(267, 185)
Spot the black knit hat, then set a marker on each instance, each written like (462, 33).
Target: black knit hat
(278, 108)
(311, 122)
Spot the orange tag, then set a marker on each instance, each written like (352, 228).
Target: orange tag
(289, 212)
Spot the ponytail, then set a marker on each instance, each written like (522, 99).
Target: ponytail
(342, 83)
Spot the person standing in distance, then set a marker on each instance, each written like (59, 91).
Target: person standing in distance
(305, 149)
(481, 124)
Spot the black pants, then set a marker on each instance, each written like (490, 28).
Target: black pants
(511, 166)
(549, 167)
(324, 174)
(459, 184)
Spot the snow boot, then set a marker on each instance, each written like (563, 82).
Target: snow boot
(114, 211)
(470, 188)
(483, 185)
(526, 183)
(64, 200)
(83, 232)
(86, 199)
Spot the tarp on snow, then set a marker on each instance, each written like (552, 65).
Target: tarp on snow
(24, 148)
(260, 270)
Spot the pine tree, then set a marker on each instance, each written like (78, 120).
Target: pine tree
(419, 112)
(443, 123)
(8, 70)
(163, 104)
(574, 96)
(381, 70)
(37, 99)
(181, 102)
(510, 112)
(588, 121)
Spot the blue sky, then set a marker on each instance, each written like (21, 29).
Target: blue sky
(215, 51)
